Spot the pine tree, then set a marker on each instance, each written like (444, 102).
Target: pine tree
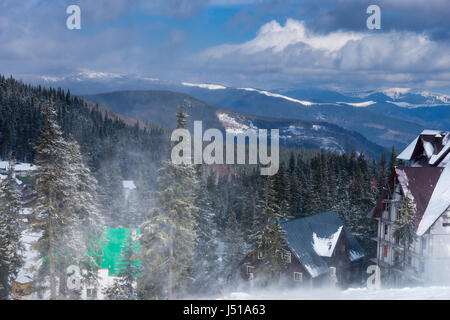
(55, 207)
(234, 250)
(393, 161)
(10, 245)
(168, 237)
(405, 230)
(268, 237)
(205, 264)
(85, 234)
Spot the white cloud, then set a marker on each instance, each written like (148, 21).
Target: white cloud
(276, 37)
(291, 53)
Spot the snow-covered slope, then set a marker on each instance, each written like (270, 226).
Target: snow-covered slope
(407, 293)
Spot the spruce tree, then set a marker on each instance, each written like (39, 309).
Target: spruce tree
(268, 237)
(205, 264)
(168, 236)
(234, 250)
(10, 245)
(54, 209)
(405, 230)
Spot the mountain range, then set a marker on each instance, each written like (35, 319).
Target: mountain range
(160, 107)
(388, 117)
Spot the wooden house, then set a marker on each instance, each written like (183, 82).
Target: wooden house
(320, 249)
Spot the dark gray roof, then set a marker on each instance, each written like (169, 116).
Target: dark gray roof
(299, 238)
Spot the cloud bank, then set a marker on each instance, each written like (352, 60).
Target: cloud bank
(292, 53)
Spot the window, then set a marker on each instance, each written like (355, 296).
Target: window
(386, 231)
(288, 257)
(260, 254)
(385, 251)
(298, 276)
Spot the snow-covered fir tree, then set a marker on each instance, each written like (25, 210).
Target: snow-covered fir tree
(205, 264)
(234, 250)
(405, 229)
(65, 201)
(168, 237)
(10, 233)
(268, 237)
(88, 225)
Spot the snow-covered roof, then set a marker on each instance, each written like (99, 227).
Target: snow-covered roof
(312, 239)
(128, 184)
(429, 190)
(438, 204)
(430, 148)
(324, 247)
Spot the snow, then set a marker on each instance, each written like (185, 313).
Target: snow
(324, 247)
(435, 157)
(89, 74)
(395, 93)
(359, 104)
(431, 132)
(446, 161)
(429, 149)
(19, 167)
(406, 154)
(231, 124)
(31, 264)
(353, 255)
(439, 97)
(439, 202)
(128, 184)
(204, 86)
(276, 95)
(404, 182)
(407, 293)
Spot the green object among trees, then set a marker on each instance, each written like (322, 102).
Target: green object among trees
(115, 239)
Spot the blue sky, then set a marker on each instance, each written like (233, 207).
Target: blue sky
(260, 43)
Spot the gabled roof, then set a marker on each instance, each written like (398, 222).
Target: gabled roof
(314, 238)
(430, 148)
(429, 190)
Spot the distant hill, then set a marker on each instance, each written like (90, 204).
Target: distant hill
(159, 106)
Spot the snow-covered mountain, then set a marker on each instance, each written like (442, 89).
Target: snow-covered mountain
(388, 116)
(160, 106)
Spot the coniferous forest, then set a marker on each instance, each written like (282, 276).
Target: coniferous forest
(196, 222)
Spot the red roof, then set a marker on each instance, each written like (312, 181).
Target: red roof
(416, 182)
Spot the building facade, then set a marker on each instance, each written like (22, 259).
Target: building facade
(425, 180)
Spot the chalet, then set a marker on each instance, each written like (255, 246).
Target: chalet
(425, 180)
(320, 248)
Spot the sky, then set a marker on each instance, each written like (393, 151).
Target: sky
(266, 44)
